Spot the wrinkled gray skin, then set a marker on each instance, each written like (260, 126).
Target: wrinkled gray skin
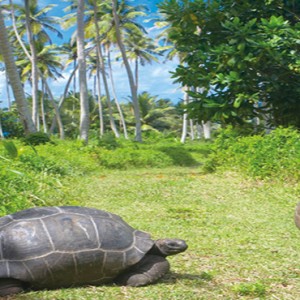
(53, 247)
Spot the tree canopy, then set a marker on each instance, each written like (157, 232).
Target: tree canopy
(242, 60)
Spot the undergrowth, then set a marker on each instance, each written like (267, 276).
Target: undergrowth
(275, 155)
(35, 171)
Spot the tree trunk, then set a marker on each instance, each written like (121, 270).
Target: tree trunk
(14, 79)
(62, 99)
(207, 130)
(43, 109)
(56, 109)
(100, 108)
(185, 116)
(1, 130)
(136, 108)
(34, 69)
(100, 61)
(84, 105)
(123, 123)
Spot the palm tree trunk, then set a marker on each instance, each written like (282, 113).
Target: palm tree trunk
(62, 99)
(7, 92)
(84, 105)
(100, 61)
(56, 109)
(14, 79)
(43, 109)
(132, 84)
(100, 108)
(34, 69)
(115, 95)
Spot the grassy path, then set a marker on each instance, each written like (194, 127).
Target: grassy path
(243, 243)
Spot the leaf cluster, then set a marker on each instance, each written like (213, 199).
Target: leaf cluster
(241, 59)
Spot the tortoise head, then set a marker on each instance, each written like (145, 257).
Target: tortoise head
(165, 247)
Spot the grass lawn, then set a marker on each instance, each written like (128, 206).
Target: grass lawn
(243, 243)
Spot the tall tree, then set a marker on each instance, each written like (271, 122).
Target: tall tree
(14, 78)
(84, 105)
(132, 83)
(101, 68)
(33, 22)
(243, 56)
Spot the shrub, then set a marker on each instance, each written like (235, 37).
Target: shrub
(133, 158)
(271, 155)
(36, 138)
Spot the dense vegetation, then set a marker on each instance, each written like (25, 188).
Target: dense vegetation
(34, 171)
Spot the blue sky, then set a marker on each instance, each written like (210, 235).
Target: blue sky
(154, 78)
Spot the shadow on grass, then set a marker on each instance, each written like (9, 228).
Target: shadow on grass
(180, 157)
(172, 278)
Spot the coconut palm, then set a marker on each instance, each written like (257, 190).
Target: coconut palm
(84, 105)
(34, 22)
(132, 83)
(14, 78)
(156, 114)
(141, 50)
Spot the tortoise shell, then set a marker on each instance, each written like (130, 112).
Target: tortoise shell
(50, 247)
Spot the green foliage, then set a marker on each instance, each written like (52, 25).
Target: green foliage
(10, 148)
(250, 289)
(274, 155)
(31, 177)
(133, 158)
(36, 138)
(248, 56)
(10, 124)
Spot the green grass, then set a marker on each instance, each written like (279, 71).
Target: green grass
(243, 243)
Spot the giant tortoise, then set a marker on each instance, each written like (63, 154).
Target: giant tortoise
(53, 247)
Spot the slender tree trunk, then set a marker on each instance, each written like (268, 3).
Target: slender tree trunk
(115, 95)
(56, 109)
(1, 130)
(34, 69)
(100, 61)
(207, 130)
(185, 116)
(84, 105)
(132, 84)
(62, 99)
(43, 109)
(7, 92)
(192, 133)
(100, 108)
(14, 79)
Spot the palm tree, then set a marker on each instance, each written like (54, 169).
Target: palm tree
(84, 105)
(36, 22)
(141, 50)
(14, 79)
(101, 68)
(156, 114)
(132, 83)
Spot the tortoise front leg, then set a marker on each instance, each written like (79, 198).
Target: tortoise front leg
(148, 270)
(10, 286)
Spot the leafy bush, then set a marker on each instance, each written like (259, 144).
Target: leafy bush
(36, 138)
(133, 158)
(35, 176)
(271, 155)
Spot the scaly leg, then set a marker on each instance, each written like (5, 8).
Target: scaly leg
(147, 271)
